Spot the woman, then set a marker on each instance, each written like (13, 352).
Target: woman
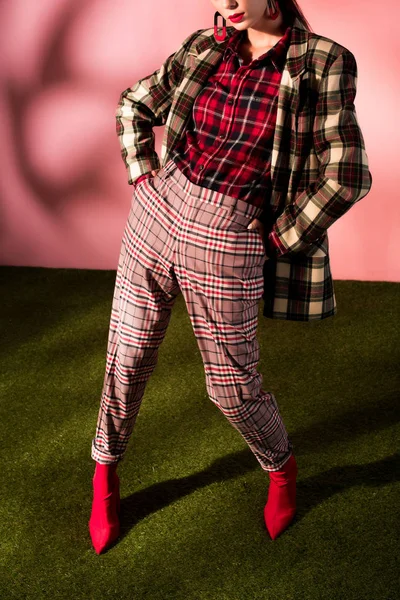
(261, 153)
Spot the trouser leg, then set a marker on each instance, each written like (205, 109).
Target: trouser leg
(219, 269)
(145, 291)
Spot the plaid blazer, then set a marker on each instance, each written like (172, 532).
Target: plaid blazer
(319, 164)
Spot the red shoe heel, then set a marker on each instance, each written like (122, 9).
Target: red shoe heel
(104, 524)
(280, 508)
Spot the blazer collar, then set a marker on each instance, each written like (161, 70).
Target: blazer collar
(210, 50)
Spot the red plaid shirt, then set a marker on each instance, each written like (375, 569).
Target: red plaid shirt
(227, 144)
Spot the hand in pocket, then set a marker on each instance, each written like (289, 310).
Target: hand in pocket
(259, 227)
(145, 176)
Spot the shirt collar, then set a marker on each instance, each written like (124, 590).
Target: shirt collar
(277, 53)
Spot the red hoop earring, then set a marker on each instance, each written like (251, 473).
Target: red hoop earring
(219, 38)
(273, 15)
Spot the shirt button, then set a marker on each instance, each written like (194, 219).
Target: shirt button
(221, 136)
(230, 100)
(201, 167)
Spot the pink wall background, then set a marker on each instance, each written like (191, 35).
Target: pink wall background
(64, 196)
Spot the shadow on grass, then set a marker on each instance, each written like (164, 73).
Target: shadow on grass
(311, 491)
(384, 412)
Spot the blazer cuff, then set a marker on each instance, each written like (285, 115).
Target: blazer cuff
(142, 166)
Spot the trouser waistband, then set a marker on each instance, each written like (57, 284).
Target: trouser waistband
(232, 205)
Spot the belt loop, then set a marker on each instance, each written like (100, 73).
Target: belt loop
(232, 207)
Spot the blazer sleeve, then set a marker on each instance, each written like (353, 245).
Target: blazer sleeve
(144, 106)
(344, 177)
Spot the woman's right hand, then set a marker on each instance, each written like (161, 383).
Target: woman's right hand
(145, 176)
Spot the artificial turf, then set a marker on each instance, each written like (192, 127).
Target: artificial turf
(192, 493)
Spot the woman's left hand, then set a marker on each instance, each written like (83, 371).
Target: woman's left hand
(258, 226)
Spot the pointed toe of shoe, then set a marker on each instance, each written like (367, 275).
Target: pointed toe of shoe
(102, 538)
(277, 524)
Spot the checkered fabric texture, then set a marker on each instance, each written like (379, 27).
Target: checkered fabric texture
(182, 238)
(319, 165)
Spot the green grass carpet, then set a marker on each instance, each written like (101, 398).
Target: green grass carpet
(192, 493)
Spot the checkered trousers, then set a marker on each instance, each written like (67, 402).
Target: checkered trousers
(183, 238)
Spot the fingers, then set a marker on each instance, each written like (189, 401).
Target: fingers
(256, 224)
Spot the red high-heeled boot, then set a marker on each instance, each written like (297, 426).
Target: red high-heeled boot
(281, 505)
(104, 525)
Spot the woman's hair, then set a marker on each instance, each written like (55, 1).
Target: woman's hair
(290, 10)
